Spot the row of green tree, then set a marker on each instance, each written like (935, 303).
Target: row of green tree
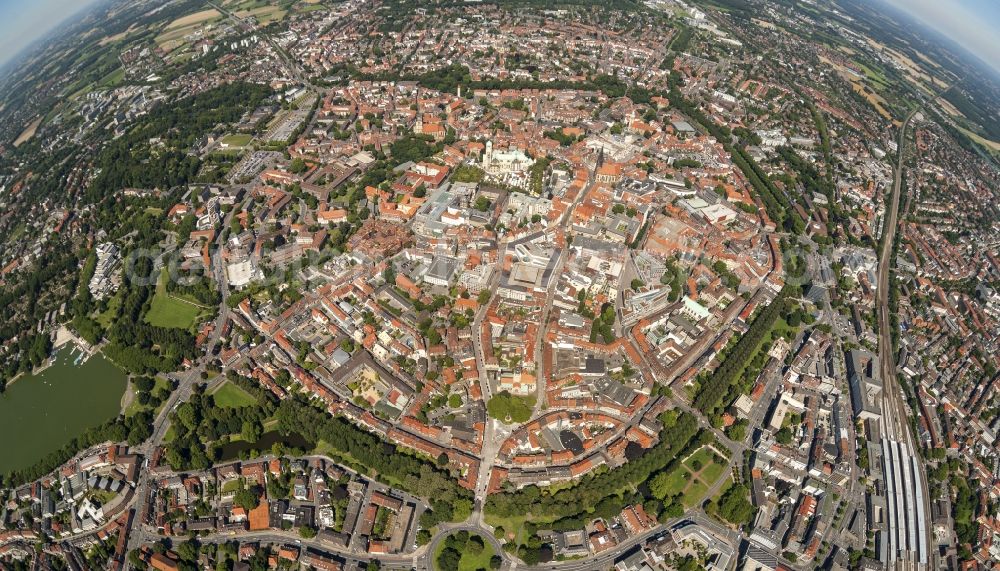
(814, 182)
(381, 459)
(713, 395)
(570, 506)
(775, 201)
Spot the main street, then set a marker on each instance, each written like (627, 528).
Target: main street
(562, 224)
(495, 432)
(492, 436)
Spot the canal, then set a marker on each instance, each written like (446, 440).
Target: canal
(41, 413)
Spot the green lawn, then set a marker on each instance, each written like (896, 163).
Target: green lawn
(102, 496)
(166, 310)
(231, 486)
(237, 140)
(712, 464)
(105, 318)
(469, 561)
(229, 395)
(702, 456)
(694, 484)
(711, 472)
(694, 493)
(508, 408)
(678, 480)
(134, 407)
(513, 525)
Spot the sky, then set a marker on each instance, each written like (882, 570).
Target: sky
(24, 21)
(973, 24)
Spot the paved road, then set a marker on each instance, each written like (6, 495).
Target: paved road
(186, 382)
(605, 560)
(543, 322)
(424, 560)
(495, 433)
(491, 438)
(276, 537)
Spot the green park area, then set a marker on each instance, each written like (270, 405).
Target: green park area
(510, 409)
(46, 411)
(731, 504)
(107, 317)
(463, 551)
(166, 310)
(134, 407)
(236, 140)
(692, 479)
(228, 395)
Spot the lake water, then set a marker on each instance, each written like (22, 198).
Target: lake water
(232, 450)
(40, 414)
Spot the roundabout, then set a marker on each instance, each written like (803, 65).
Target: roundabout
(464, 547)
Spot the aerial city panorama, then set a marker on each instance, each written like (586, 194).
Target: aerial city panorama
(463, 285)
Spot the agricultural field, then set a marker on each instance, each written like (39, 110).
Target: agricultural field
(307, 6)
(173, 35)
(993, 146)
(264, 15)
(28, 132)
(112, 79)
(132, 29)
(196, 18)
